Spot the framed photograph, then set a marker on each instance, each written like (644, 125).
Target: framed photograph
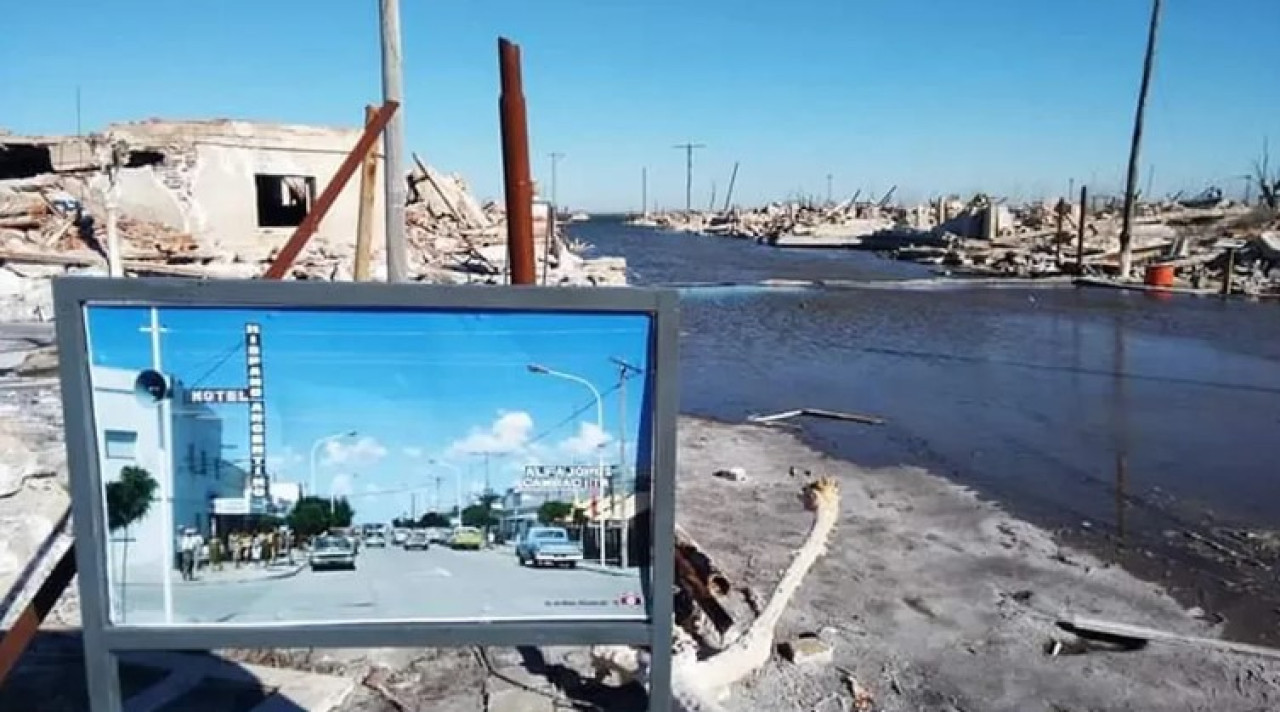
(294, 463)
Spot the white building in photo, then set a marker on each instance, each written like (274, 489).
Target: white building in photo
(128, 434)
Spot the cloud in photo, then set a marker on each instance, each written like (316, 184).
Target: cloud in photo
(587, 441)
(363, 452)
(509, 434)
(412, 452)
(283, 461)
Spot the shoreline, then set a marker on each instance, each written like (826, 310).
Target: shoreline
(930, 585)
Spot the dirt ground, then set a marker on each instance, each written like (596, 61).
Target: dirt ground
(930, 599)
(935, 600)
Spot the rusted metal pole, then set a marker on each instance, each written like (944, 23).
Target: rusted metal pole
(1131, 182)
(284, 260)
(1084, 212)
(1230, 273)
(364, 220)
(515, 166)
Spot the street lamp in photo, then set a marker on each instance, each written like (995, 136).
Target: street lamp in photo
(315, 449)
(539, 369)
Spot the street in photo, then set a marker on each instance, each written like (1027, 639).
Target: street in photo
(319, 465)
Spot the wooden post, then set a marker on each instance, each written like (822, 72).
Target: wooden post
(364, 220)
(1084, 212)
(1131, 183)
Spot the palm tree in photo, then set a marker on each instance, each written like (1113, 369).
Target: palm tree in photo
(128, 500)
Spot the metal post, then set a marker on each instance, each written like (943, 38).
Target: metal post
(733, 179)
(167, 499)
(622, 464)
(1230, 273)
(393, 143)
(1131, 182)
(1084, 212)
(515, 165)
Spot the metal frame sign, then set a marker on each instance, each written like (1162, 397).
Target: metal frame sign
(352, 365)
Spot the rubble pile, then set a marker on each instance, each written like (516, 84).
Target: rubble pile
(1202, 238)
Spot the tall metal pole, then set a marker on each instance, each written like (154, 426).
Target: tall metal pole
(393, 143)
(644, 191)
(515, 166)
(555, 159)
(1131, 182)
(167, 499)
(688, 175)
(828, 189)
(1084, 214)
(733, 179)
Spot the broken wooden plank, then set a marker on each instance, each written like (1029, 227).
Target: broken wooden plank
(1086, 627)
(817, 413)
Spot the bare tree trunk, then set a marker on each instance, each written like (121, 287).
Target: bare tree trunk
(1131, 183)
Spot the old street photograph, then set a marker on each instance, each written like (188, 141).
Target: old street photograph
(290, 465)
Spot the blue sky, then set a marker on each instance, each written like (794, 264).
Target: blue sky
(1010, 96)
(415, 386)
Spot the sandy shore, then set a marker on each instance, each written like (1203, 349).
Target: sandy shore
(935, 600)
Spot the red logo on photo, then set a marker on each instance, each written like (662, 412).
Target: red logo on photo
(630, 599)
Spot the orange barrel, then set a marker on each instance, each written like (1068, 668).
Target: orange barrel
(1160, 275)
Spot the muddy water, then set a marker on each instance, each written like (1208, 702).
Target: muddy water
(1123, 420)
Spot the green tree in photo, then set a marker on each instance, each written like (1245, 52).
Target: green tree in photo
(553, 512)
(342, 514)
(433, 520)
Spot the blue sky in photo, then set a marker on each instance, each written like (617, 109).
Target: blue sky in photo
(415, 386)
(1013, 97)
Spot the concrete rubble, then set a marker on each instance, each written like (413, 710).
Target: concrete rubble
(1201, 238)
(218, 199)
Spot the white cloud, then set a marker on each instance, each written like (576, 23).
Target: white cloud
(589, 439)
(508, 434)
(340, 485)
(361, 453)
(413, 452)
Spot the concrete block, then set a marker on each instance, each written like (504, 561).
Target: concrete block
(806, 650)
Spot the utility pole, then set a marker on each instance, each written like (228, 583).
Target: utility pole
(624, 371)
(828, 189)
(1131, 182)
(393, 143)
(413, 506)
(555, 202)
(165, 462)
(439, 480)
(688, 169)
(733, 178)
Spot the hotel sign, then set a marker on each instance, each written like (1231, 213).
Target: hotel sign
(252, 396)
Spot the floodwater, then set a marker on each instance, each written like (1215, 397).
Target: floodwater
(1121, 419)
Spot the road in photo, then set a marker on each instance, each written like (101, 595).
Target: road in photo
(391, 583)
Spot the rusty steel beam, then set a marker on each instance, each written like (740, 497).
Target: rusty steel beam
(25, 626)
(284, 260)
(364, 220)
(515, 166)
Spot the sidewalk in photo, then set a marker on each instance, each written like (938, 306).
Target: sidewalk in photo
(609, 570)
(245, 574)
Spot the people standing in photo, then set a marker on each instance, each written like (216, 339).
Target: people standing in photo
(189, 545)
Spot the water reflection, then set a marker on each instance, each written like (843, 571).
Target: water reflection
(1120, 426)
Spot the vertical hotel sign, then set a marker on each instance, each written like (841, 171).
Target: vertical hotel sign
(252, 395)
(258, 485)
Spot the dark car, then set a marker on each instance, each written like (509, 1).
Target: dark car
(333, 552)
(417, 539)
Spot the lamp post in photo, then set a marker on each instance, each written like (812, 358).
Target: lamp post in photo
(543, 370)
(315, 450)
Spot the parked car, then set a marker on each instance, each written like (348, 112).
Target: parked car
(417, 539)
(548, 545)
(329, 552)
(466, 538)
